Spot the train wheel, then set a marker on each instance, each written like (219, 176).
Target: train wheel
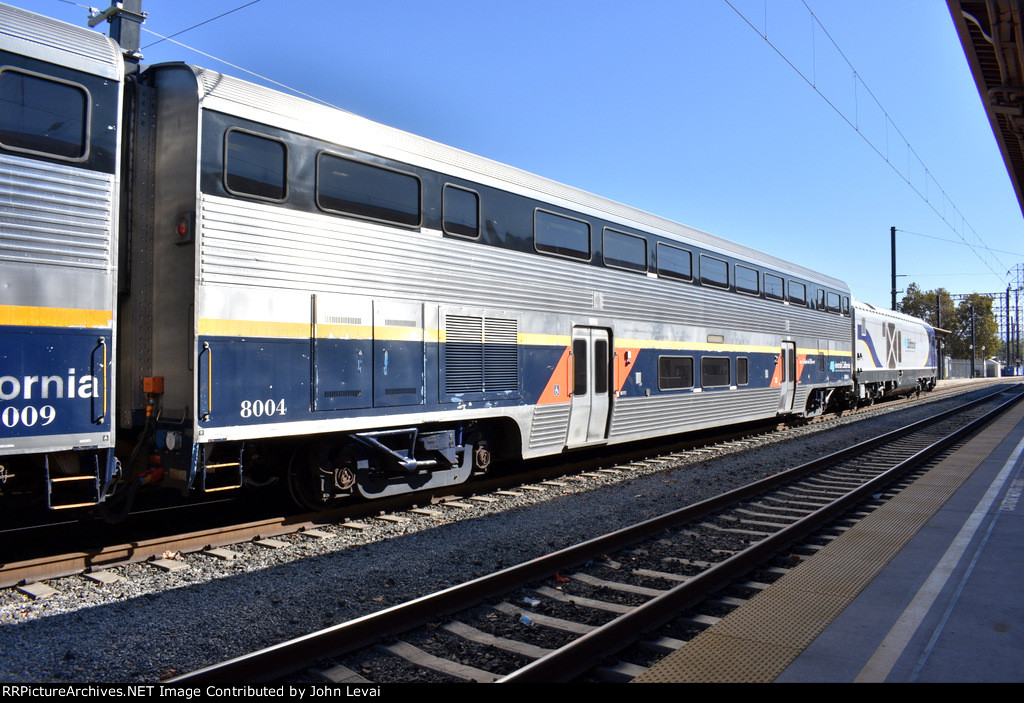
(319, 478)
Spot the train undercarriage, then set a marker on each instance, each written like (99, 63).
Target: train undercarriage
(319, 470)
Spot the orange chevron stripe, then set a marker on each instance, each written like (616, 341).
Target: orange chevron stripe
(622, 368)
(559, 384)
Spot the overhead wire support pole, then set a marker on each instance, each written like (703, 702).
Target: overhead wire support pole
(892, 233)
(125, 18)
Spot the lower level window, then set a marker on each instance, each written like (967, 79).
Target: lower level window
(714, 371)
(675, 372)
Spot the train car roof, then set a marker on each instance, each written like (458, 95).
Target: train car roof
(886, 312)
(247, 100)
(45, 39)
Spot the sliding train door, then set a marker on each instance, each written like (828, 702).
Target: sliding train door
(789, 377)
(591, 386)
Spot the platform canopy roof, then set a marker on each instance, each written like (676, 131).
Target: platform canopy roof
(992, 34)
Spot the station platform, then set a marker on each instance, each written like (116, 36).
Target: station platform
(928, 588)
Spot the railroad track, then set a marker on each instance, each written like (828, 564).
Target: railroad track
(134, 549)
(552, 618)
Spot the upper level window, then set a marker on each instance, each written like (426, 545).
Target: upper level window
(832, 301)
(558, 234)
(362, 190)
(461, 212)
(746, 280)
(774, 287)
(797, 293)
(625, 250)
(43, 116)
(714, 271)
(674, 262)
(255, 165)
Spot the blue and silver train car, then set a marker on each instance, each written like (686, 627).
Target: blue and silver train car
(60, 131)
(305, 294)
(374, 312)
(894, 353)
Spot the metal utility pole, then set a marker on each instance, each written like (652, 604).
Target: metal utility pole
(892, 233)
(125, 18)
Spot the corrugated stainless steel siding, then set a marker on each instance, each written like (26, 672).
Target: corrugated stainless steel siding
(550, 424)
(64, 44)
(272, 107)
(55, 215)
(255, 245)
(250, 244)
(667, 413)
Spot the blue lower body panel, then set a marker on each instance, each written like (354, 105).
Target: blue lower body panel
(246, 382)
(54, 389)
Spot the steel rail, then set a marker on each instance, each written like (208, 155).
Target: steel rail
(60, 565)
(287, 657)
(54, 566)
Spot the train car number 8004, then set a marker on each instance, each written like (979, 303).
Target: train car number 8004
(262, 408)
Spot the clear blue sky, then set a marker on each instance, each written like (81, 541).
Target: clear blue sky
(676, 107)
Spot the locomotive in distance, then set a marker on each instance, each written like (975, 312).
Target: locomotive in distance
(208, 284)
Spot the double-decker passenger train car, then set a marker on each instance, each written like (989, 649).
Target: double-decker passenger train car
(405, 309)
(60, 134)
(306, 295)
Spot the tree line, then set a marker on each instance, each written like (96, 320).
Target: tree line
(937, 308)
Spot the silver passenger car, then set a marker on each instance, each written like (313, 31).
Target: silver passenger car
(60, 134)
(389, 312)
